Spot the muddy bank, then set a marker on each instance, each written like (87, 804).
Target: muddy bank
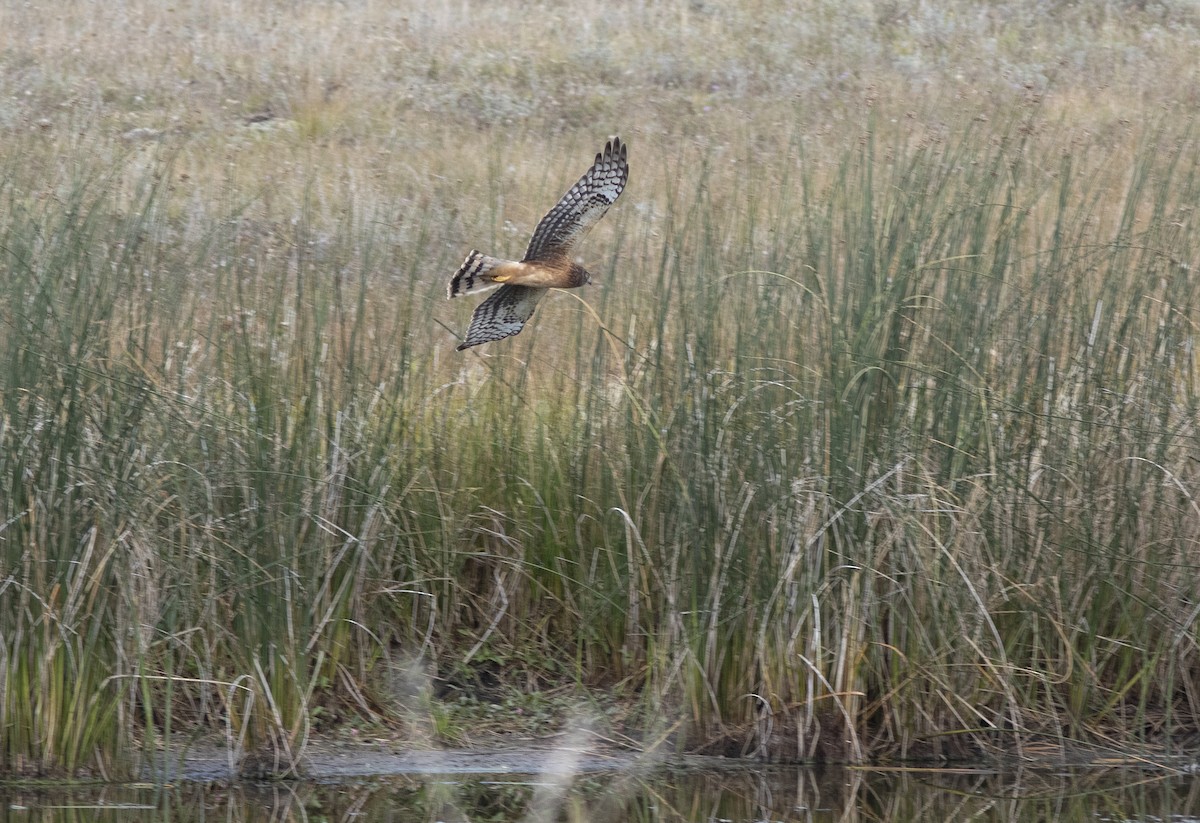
(326, 761)
(553, 760)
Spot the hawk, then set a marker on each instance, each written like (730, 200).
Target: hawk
(547, 263)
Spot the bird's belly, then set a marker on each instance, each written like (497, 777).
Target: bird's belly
(542, 276)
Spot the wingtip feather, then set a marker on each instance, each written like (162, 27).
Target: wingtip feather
(615, 148)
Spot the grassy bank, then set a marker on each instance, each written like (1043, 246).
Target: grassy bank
(876, 437)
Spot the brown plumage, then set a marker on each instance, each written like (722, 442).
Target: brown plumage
(547, 263)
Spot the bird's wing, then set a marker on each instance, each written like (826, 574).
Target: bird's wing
(501, 315)
(583, 205)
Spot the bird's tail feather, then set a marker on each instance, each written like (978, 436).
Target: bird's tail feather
(473, 275)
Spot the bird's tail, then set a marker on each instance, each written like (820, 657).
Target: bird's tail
(474, 274)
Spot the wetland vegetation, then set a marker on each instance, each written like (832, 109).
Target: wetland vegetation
(875, 439)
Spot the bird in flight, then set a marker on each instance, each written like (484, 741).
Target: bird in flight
(547, 263)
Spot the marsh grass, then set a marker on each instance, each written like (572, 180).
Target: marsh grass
(865, 455)
(876, 437)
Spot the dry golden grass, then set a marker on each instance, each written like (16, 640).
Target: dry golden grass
(385, 100)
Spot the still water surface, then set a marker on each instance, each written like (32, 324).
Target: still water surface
(687, 796)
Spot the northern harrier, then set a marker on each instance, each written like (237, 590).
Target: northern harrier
(547, 263)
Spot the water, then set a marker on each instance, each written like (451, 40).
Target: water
(686, 796)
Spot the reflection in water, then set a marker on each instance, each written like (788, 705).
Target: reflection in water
(736, 795)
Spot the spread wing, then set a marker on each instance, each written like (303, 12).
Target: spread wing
(583, 205)
(501, 315)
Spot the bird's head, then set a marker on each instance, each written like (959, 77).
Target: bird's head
(579, 275)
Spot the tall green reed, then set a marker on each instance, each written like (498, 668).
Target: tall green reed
(890, 454)
(74, 556)
(881, 427)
